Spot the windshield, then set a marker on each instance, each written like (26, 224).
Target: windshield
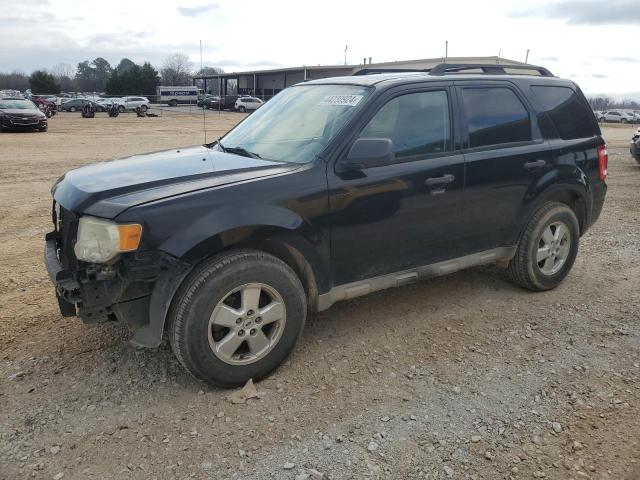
(297, 123)
(17, 105)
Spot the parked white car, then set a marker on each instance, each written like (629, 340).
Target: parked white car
(617, 117)
(106, 102)
(131, 103)
(244, 104)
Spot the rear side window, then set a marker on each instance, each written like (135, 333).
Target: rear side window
(417, 123)
(495, 115)
(570, 116)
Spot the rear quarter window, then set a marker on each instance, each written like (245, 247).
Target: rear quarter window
(569, 114)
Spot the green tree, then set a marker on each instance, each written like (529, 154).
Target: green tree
(43, 82)
(102, 70)
(93, 76)
(133, 80)
(149, 79)
(124, 65)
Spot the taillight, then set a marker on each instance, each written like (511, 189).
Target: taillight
(603, 161)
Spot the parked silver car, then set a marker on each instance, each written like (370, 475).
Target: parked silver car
(617, 116)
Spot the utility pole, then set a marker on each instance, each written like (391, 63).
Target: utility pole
(526, 58)
(446, 50)
(345, 53)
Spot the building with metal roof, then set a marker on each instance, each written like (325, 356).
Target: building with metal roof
(266, 83)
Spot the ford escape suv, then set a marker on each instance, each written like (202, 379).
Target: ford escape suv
(333, 189)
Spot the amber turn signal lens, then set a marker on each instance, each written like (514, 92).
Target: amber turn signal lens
(129, 237)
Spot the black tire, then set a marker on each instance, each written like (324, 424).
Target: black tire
(523, 268)
(242, 109)
(205, 288)
(624, 120)
(72, 109)
(121, 108)
(173, 103)
(144, 108)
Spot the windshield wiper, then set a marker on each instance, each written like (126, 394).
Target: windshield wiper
(239, 151)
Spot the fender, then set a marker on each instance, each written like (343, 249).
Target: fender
(245, 226)
(184, 243)
(555, 183)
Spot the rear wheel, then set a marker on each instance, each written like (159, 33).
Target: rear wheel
(547, 249)
(73, 109)
(144, 108)
(121, 108)
(173, 103)
(242, 109)
(236, 317)
(623, 120)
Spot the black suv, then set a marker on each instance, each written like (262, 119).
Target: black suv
(334, 189)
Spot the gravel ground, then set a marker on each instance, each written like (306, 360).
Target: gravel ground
(461, 377)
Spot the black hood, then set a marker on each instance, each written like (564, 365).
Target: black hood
(106, 189)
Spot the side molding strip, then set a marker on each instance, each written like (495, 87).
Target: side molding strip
(405, 277)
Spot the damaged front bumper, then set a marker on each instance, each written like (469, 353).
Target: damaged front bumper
(137, 289)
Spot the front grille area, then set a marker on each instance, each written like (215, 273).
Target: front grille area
(24, 121)
(66, 224)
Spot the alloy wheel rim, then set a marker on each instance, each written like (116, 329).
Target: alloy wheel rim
(554, 247)
(246, 324)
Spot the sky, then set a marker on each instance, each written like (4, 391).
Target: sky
(595, 43)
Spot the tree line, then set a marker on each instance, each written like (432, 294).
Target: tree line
(607, 103)
(98, 75)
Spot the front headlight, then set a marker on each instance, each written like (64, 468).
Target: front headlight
(102, 240)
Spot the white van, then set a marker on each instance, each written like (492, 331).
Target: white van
(178, 95)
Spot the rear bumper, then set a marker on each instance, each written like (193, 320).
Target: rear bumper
(599, 194)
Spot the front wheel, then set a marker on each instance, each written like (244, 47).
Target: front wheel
(237, 317)
(547, 248)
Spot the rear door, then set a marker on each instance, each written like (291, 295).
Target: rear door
(505, 155)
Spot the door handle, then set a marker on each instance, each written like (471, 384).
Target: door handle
(438, 181)
(534, 165)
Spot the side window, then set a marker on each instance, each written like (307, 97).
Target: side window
(568, 113)
(417, 123)
(495, 115)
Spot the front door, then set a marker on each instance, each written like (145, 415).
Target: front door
(396, 217)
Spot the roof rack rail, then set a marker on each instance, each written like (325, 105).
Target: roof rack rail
(372, 71)
(487, 68)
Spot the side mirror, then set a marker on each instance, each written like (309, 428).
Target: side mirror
(368, 153)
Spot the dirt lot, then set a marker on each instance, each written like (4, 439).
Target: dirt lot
(462, 377)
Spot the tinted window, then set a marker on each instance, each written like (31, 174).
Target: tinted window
(494, 116)
(417, 123)
(570, 116)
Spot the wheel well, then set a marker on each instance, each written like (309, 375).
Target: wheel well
(573, 201)
(278, 248)
(294, 259)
